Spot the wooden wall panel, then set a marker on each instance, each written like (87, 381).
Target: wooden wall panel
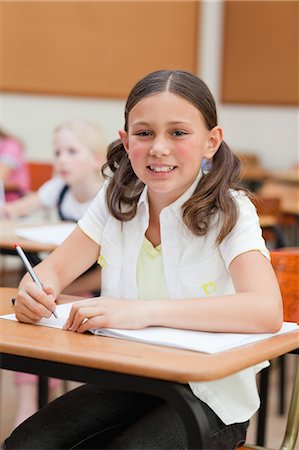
(93, 48)
(261, 52)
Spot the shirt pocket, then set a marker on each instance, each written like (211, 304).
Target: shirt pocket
(204, 278)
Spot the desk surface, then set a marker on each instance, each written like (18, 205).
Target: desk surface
(129, 357)
(254, 173)
(259, 173)
(8, 236)
(285, 176)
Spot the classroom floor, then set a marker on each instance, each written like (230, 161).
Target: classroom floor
(275, 423)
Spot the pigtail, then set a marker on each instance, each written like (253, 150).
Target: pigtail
(124, 188)
(213, 195)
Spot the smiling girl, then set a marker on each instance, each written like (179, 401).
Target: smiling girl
(179, 248)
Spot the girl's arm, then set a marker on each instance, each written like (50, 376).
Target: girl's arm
(5, 172)
(255, 308)
(77, 253)
(22, 207)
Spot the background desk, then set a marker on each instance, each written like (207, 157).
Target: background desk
(8, 236)
(116, 363)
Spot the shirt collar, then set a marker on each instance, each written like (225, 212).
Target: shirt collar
(175, 206)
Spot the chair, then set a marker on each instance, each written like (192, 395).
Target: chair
(253, 174)
(288, 193)
(286, 267)
(39, 173)
(269, 212)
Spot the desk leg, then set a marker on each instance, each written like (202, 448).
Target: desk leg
(43, 391)
(191, 413)
(262, 413)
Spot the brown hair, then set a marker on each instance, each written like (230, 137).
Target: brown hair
(212, 192)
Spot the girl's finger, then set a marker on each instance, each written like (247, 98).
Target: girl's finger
(77, 307)
(48, 288)
(41, 297)
(28, 316)
(82, 314)
(89, 324)
(25, 303)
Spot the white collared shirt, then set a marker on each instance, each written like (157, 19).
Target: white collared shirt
(194, 266)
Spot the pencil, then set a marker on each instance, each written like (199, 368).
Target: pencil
(30, 269)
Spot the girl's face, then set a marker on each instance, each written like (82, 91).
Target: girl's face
(166, 141)
(73, 160)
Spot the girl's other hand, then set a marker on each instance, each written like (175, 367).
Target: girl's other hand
(33, 303)
(106, 312)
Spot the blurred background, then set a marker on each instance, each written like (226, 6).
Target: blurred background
(61, 60)
(68, 59)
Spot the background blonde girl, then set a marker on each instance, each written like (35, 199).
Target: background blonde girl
(79, 153)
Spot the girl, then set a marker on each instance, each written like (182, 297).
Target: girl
(79, 154)
(14, 173)
(178, 248)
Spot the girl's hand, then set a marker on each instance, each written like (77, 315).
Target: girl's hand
(106, 312)
(33, 303)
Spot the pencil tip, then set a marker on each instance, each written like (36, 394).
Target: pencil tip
(15, 245)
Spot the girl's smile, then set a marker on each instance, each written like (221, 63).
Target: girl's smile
(167, 139)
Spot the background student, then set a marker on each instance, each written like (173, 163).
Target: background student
(179, 248)
(79, 153)
(14, 174)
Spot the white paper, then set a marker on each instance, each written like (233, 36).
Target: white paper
(200, 341)
(49, 234)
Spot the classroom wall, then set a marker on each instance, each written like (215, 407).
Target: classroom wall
(270, 131)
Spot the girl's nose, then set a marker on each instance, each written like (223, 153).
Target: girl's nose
(61, 157)
(159, 148)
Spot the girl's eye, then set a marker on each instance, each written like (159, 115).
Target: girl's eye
(179, 133)
(57, 153)
(72, 151)
(143, 133)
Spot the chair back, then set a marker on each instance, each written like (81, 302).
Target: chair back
(268, 206)
(286, 267)
(39, 173)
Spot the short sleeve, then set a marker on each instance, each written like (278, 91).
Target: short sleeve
(49, 192)
(94, 220)
(246, 234)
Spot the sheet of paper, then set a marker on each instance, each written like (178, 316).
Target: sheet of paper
(49, 234)
(191, 340)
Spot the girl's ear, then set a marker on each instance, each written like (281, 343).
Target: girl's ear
(214, 141)
(124, 138)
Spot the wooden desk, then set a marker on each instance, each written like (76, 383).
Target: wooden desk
(116, 363)
(288, 193)
(285, 176)
(8, 236)
(254, 173)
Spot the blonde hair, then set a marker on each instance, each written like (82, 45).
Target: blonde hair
(88, 133)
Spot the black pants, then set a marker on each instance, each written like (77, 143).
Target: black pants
(89, 417)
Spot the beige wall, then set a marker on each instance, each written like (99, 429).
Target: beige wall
(271, 131)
